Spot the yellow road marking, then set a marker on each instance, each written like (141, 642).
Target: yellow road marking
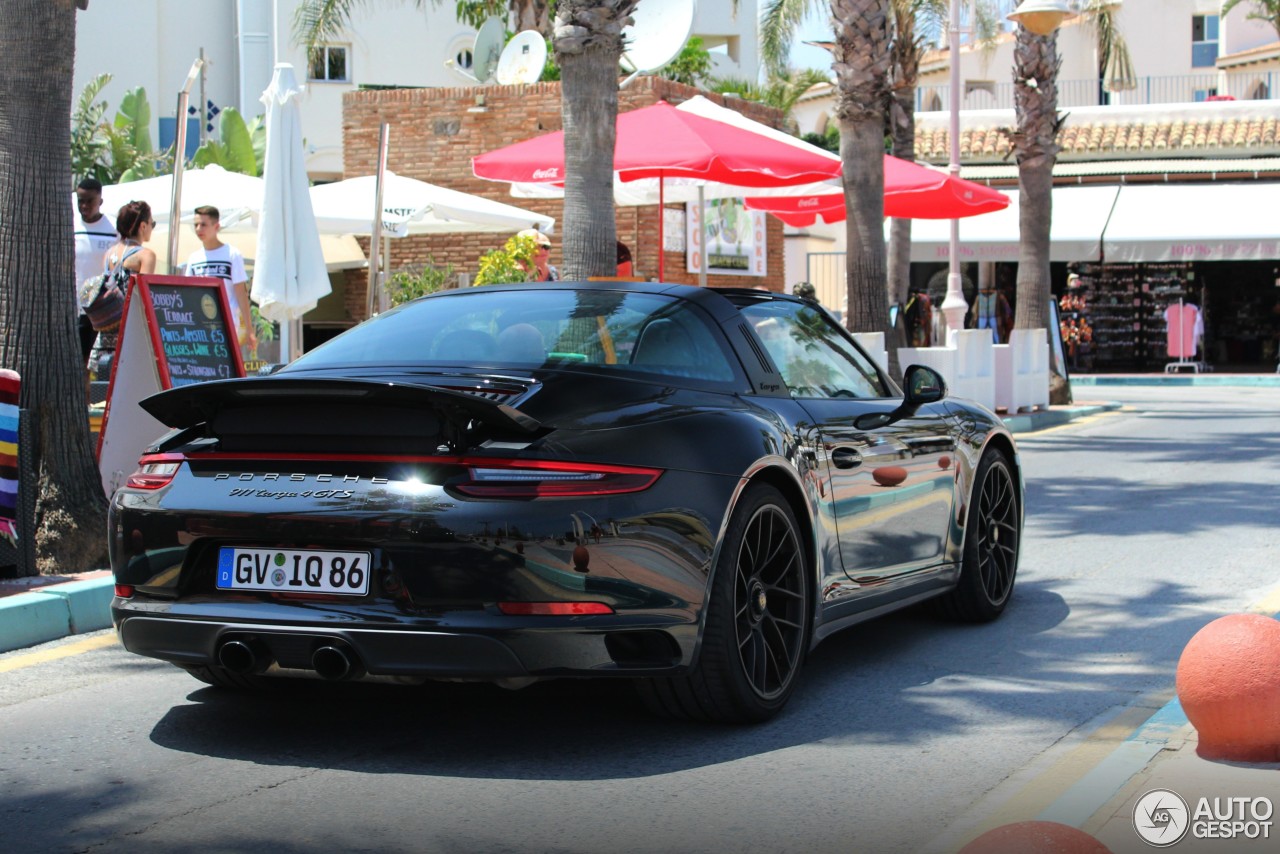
(1078, 422)
(1049, 785)
(64, 651)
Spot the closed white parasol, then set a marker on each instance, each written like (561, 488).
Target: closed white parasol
(289, 273)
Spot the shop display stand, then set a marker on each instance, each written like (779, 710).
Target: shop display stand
(1124, 307)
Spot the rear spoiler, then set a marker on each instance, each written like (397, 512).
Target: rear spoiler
(198, 403)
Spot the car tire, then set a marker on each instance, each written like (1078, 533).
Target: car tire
(756, 628)
(992, 537)
(220, 677)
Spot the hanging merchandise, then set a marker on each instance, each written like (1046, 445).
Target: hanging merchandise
(1184, 331)
(1124, 306)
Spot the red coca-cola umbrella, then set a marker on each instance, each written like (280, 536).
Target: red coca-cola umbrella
(662, 142)
(911, 191)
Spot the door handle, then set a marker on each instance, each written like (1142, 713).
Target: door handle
(846, 458)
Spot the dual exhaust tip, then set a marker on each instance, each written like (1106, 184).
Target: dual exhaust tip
(332, 660)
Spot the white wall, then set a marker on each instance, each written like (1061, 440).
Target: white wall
(1158, 33)
(152, 43)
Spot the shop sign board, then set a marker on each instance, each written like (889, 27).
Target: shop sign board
(735, 238)
(175, 331)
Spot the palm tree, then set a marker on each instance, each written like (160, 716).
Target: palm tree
(1035, 150)
(1262, 10)
(38, 335)
(780, 90)
(860, 61)
(588, 43)
(587, 38)
(1035, 147)
(1115, 66)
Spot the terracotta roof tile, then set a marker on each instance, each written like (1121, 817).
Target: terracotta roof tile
(1240, 135)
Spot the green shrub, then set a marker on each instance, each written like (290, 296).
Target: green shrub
(413, 282)
(511, 263)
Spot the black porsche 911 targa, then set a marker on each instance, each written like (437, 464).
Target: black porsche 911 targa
(686, 487)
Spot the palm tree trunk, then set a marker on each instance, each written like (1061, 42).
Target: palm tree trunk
(38, 335)
(904, 73)
(1036, 149)
(861, 64)
(588, 44)
(1035, 145)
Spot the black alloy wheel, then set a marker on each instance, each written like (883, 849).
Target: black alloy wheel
(757, 621)
(993, 534)
(768, 601)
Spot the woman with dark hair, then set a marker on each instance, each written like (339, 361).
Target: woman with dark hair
(126, 256)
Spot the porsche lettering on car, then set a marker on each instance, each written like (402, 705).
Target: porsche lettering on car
(685, 487)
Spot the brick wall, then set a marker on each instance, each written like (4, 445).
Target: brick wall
(435, 133)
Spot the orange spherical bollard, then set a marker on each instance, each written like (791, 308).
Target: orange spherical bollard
(889, 475)
(1041, 837)
(1229, 685)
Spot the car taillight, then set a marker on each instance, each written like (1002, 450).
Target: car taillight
(124, 591)
(547, 479)
(154, 471)
(526, 609)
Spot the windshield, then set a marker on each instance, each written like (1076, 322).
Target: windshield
(534, 328)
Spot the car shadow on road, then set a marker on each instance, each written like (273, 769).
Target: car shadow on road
(902, 680)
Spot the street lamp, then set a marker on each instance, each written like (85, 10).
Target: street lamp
(1041, 17)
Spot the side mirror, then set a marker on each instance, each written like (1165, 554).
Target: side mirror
(923, 385)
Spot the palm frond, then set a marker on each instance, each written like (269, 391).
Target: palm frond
(778, 23)
(316, 22)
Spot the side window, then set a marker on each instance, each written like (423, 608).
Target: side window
(815, 358)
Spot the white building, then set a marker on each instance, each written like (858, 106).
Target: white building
(152, 44)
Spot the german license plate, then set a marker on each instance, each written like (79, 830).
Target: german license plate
(294, 571)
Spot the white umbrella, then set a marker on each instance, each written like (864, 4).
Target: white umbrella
(410, 207)
(237, 197)
(341, 251)
(289, 272)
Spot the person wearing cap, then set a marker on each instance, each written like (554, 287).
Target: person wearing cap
(542, 271)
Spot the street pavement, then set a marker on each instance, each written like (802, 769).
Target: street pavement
(1112, 778)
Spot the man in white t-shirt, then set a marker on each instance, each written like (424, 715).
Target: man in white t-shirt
(221, 261)
(95, 232)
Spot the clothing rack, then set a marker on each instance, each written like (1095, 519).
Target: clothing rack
(1197, 366)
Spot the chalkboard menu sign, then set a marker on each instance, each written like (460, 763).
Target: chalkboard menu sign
(175, 332)
(195, 342)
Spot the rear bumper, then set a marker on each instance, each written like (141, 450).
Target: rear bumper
(597, 646)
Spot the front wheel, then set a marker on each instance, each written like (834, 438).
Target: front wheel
(757, 621)
(992, 536)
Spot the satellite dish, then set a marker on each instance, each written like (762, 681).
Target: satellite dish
(488, 47)
(658, 32)
(523, 58)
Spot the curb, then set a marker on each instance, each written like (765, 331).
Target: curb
(1255, 380)
(53, 612)
(1054, 417)
(1096, 788)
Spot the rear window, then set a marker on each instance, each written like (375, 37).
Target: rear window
(533, 328)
